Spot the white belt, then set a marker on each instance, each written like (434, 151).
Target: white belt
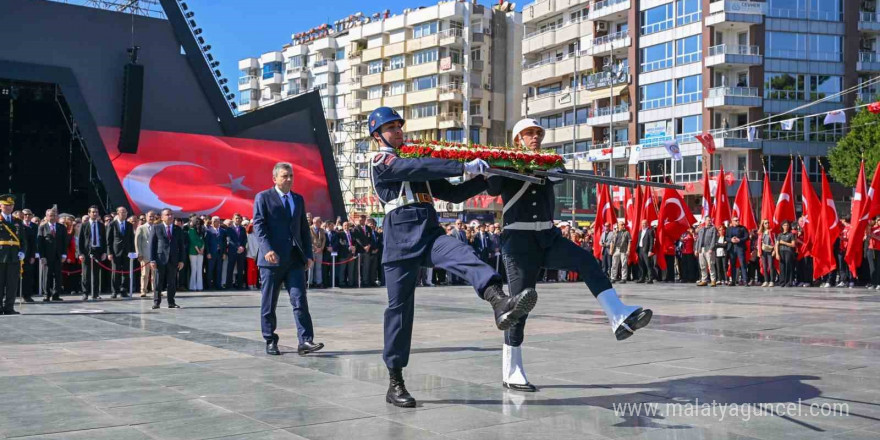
(529, 226)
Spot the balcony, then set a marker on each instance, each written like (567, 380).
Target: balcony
(354, 57)
(477, 120)
(422, 96)
(394, 101)
(368, 105)
(449, 120)
(371, 80)
(451, 37)
(248, 82)
(429, 68)
(730, 55)
(422, 124)
(604, 45)
(605, 8)
(373, 54)
(394, 75)
(327, 43)
(605, 79)
(552, 67)
(450, 92)
(324, 66)
(477, 65)
(563, 135)
(423, 42)
(735, 138)
(605, 115)
(868, 62)
(537, 10)
(733, 98)
(293, 72)
(353, 104)
(539, 40)
(273, 78)
(869, 22)
(736, 15)
(449, 67)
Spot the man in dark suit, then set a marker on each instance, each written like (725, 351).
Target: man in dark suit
(363, 238)
(483, 245)
(167, 252)
(52, 247)
(91, 244)
(285, 254)
(215, 238)
(120, 246)
(375, 253)
(30, 277)
(645, 248)
(236, 245)
(329, 269)
(346, 249)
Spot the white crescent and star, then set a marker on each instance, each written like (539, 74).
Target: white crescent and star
(137, 185)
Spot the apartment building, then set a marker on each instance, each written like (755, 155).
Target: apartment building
(451, 69)
(613, 79)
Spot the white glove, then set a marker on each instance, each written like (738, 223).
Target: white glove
(21, 256)
(476, 166)
(132, 255)
(37, 255)
(555, 170)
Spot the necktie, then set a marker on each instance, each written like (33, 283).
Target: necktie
(53, 230)
(168, 232)
(287, 204)
(95, 234)
(122, 227)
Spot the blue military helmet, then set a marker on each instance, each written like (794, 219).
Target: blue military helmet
(382, 116)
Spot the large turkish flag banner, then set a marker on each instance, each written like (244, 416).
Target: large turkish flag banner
(213, 175)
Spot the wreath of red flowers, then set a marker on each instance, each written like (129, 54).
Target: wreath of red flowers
(516, 158)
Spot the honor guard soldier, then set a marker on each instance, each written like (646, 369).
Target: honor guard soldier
(13, 246)
(530, 241)
(413, 238)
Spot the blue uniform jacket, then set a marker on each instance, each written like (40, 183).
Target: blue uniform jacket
(536, 204)
(214, 241)
(278, 231)
(410, 229)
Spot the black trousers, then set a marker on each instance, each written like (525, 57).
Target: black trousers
(721, 268)
(646, 266)
(120, 276)
(843, 273)
(874, 266)
(30, 280)
(688, 268)
(53, 277)
(10, 276)
(670, 269)
(786, 267)
(239, 261)
(166, 279)
(89, 278)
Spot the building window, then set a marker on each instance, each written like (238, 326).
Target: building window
(424, 29)
(824, 10)
(689, 50)
(476, 55)
(424, 56)
(552, 121)
(813, 47)
(397, 88)
(271, 68)
(654, 133)
(424, 83)
(455, 56)
(295, 62)
(655, 95)
(474, 136)
(774, 131)
(374, 67)
(455, 135)
(423, 110)
(657, 19)
(374, 92)
(475, 109)
(689, 89)
(687, 11)
(784, 86)
(244, 97)
(822, 86)
(657, 57)
(396, 62)
(549, 88)
(340, 53)
(688, 127)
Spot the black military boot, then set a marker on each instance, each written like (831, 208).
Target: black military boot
(397, 394)
(508, 309)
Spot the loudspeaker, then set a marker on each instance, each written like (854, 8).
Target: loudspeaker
(132, 103)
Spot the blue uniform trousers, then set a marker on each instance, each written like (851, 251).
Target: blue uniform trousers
(562, 254)
(401, 277)
(293, 275)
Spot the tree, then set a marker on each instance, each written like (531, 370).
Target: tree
(862, 139)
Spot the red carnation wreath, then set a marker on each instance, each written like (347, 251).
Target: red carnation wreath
(516, 158)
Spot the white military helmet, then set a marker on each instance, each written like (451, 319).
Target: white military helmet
(524, 124)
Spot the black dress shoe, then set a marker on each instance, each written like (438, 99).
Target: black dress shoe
(85, 297)
(113, 296)
(527, 388)
(155, 306)
(636, 320)
(272, 348)
(173, 306)
(508, 309)
(397, 394)
(57, 298)
(45, 300)
(124, 295)
(649, 282)
(308, 347)
(11, 312)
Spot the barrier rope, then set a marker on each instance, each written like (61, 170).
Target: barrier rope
(338, 262)
(110, 269)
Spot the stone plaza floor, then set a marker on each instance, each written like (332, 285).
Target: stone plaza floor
(722, 363)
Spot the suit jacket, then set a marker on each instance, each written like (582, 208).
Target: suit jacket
(235, 238)
(215, 240)
(142, 241)
(31, 248)
(84, 241)
(341, 245)
(52, 246)
(167, 250)
(483, 245)
(319, 239)
(119, 243)
(277, 230)
(648, 245)
(361, 237)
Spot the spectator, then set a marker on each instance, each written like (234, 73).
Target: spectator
(252, 278)
(196, 252)
(319, 245)
(786, 252)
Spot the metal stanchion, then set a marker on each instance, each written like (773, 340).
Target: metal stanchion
(358, 263)
(333, 270)
(40, 276)
(497, 261)
(130, 277)
(92, 274)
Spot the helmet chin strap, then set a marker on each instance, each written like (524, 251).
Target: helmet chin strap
(385, 141)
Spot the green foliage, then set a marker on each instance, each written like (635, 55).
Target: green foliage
(863, 139)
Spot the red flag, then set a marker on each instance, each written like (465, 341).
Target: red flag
(785, 204)
(675, 218)
(707, 196)
(742, 206)
(767, 203)
(213, 175)
(604, 215)
(861, 206)
(649, 209)
(722, 207)
(636, 227)
(812, 210)
(874, 193)
(628, 208)
(827, 229)
(708, 142)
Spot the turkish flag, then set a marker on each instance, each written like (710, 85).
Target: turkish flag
(675, 218)
(785, 204)
(707, 196)
(827, 229)
(861, 206)
(767, 203)
(874, 107)
(708, 142)
(649, 209)
(812, 210)
(213, 175)
(742, 206)
(874, 193)
(722, 206)
(604, 215)
(636, 224)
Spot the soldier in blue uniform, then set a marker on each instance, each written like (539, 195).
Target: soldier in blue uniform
(413, 238)
(530, 241)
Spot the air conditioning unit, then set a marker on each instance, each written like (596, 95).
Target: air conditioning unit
(602, 26)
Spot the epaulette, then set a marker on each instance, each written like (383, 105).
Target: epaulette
(383, 158)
